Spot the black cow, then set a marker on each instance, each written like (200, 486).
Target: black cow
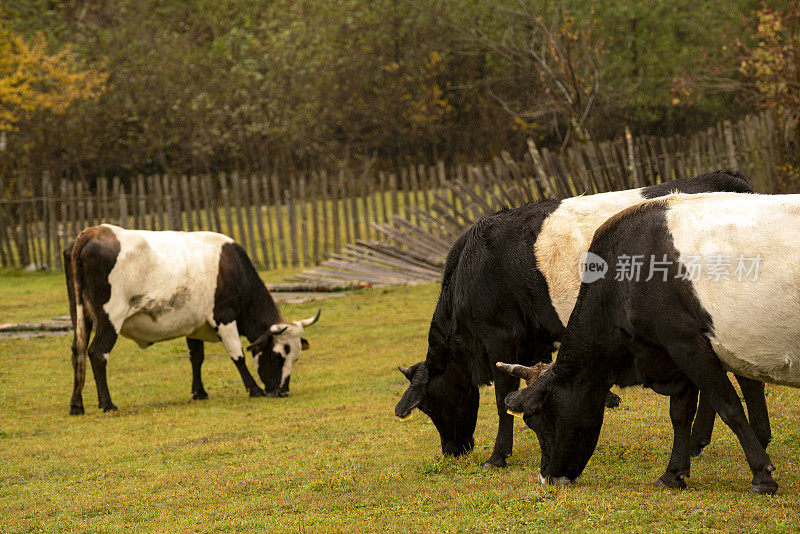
(724, 298)
(508, 287)
(153, 286)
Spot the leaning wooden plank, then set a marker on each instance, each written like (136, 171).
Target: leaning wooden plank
(406, 253)
(385, 259)
(442, 227)
(375, 259)
(396, 254)
(468, 211)
(483, 206)
(422, 234)
(357, 277)
(376, 274)
(380, 267)
(445, 211)
(407, 240)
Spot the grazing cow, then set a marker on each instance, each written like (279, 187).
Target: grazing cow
(153, 286)
(724, 297)
(508, 287)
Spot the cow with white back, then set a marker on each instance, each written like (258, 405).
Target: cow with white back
(153, 286)
(508, 287)
(678, 331)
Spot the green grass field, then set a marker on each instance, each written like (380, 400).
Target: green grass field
(331, 457)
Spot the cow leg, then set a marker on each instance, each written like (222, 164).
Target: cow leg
(99, 349)
(229, 335)
(682, 407)
(753, 392)
(504, 384)
(703, 426)
(197, 355)
(79, 372)
(696, 358)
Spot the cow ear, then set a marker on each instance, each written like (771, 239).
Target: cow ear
(417, 374)
(411, 399)
(530, 399)
(304, 343)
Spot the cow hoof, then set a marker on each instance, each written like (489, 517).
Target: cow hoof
(765, 488)
(670, 481)
(495, 463)
(110, 408)
(76, 410)
(257, 392)
(277, 393)
(200, 395)
(612, 400)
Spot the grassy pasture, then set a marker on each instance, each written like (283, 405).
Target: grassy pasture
(331, 457)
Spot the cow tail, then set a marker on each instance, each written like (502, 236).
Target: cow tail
(81, 334)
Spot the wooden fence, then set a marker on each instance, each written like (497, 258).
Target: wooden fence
(302, 220)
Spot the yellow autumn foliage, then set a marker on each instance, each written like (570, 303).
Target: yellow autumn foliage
(32, 79)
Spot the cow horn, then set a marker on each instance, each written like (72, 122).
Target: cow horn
(277, 330)
(407, 371)
(311, 320)
(528, 373)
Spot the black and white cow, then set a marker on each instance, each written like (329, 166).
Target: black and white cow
(508, 287)
(153, 286)
(725, 297)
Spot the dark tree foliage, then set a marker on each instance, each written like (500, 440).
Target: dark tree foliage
(206, 85)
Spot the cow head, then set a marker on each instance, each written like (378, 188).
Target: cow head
(275, 352)
(565, 416)
(448, 398)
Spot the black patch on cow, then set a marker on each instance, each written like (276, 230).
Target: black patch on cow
(93, 257)
(287, 349)
(730, 180)
(493, 299)
(241, 295)
(270, 369)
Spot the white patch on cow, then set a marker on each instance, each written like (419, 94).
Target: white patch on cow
(566, 234)
(231, 340)
(163, 284)
(105, 356)
(756, 323)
